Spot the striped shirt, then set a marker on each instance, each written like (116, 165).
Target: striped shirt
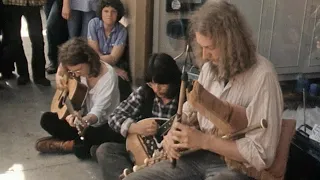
(257, 90)
(129, 111)
(117, 37)
(24, 2)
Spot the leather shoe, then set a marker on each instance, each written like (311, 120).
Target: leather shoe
(53, 145)
(22, 80)
(42, 81)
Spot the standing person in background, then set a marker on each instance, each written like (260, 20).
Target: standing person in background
(1, 26)
(6, 73)
(108, 38)
(57, 32)
(13, 47)
(78, 13)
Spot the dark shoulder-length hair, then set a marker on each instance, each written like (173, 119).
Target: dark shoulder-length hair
(77, 51)
(162, 69)
(116, 4)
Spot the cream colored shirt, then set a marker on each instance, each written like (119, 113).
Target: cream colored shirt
(257, 90)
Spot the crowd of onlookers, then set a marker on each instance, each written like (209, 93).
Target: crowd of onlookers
(65, 19)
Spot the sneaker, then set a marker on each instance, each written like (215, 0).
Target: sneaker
(53, 145)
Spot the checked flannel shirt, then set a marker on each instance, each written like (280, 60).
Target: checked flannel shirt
(129, 111)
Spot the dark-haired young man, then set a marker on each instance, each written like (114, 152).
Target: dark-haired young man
(157, 98)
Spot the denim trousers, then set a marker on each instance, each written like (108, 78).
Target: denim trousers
(200, 165)
(78, 23)
(57, 29)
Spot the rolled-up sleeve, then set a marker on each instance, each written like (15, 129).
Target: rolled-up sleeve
(92, 26)
(121, 119)
(121, 37)
(259, 147)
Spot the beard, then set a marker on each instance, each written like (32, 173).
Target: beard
(217, 70)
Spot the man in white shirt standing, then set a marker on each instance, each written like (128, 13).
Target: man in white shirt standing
(234, 73)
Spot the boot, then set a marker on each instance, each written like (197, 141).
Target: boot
(53, 145)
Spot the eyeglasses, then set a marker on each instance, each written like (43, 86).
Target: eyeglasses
(74, 73)
(157, 85)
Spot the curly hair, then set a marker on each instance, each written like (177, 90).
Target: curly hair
(77, 51)
(116, 4)
(223, 23)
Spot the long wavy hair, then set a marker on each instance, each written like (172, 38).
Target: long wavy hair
(223, 23)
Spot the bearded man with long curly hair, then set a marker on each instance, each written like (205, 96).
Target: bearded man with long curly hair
(235, 74)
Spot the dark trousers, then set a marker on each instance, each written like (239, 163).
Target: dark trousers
(57, 29)
(124, 88)
(13, 47)
(4, 70)
(60, 129)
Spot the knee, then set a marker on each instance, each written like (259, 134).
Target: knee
(81, 151)
(104, 149)
(46, 119)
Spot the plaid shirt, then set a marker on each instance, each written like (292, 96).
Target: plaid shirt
(129, 111)
(24, 2)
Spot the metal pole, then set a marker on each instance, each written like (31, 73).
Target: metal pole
(304, 108)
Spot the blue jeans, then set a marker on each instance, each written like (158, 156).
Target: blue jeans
(201, 165)
(78, 23)
(57, 29)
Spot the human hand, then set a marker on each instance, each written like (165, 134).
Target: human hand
(144, 127)
(186, 137)
(61, 82)
(88, 120)
(122, 73)
(167, 144)
(71, 119)
(66, 11)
